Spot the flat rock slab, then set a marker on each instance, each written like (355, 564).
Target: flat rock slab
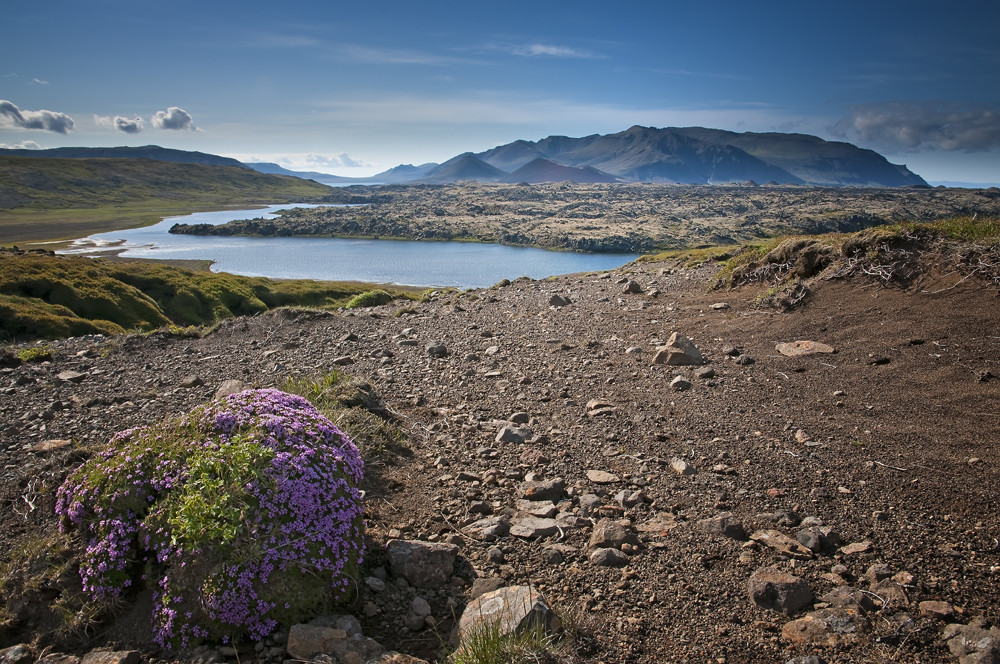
(782, 543)
(50, 445)
(834, 628)
(533, 527)
(658, 526)
(800, 348)
(602, 477)
(70, 376)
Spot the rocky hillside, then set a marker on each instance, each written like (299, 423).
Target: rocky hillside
(696, 155)
(683, 474)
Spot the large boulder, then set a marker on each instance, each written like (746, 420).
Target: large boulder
(509, 610)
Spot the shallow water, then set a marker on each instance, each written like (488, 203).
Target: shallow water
(456, 264)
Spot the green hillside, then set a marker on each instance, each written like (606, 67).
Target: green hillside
(48, 296)
(53, 199)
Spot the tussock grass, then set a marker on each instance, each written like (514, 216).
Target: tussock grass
(46, 296)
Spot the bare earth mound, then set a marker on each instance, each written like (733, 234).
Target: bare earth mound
(878, 461)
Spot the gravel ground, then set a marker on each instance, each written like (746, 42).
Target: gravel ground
(883, 451)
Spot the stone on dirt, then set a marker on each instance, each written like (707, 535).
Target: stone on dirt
(678, 351)
(800, 348)
(510, 610)
(422, 564)
(771, 588)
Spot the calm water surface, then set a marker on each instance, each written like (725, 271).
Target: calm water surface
(457, 264)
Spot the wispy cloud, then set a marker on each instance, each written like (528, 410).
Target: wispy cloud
(907, 126)
(309, 161)
(38, 81)
(22, 145)
(12, 116)
(339, 160)
(394, 56)
(173, 118)
(123, 124)
(553, 50)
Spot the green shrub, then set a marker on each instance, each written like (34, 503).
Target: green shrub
(372, 298)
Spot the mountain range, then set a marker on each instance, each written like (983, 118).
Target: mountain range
(683, 155)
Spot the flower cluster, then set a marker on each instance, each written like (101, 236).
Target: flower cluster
(244, 514)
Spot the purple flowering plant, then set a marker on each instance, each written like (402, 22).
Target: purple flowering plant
(242, 515)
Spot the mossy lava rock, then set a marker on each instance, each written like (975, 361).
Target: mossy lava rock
(242, 515)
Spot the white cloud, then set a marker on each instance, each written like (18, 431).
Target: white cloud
(340, 160)
(903, 126)
(532, 50)
(22, 145)
(12, 116)
(173, 118)
(123, 124)
(38, 81)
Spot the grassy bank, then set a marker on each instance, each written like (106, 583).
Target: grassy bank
(47, 296)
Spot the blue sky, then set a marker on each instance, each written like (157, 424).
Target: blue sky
(353, 89)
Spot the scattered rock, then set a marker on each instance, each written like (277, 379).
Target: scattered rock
(558, 300)
(436, 349)
(229, 387)
(50, 445)
(973, 644)
(608, 558)
(337, 636)
(610, 534)
(631, 287)
(489, 529)
(512, 434)
(17, 654)
(725, 524)
(719, 306)
(191, 381)
(658, 526)
(71, 376)
(602, 477)
(936, 609)
(678, 351)
(835, 627)
(856, 548)
(550, 490)
(111, 657)
(800, 348)
(770, 588)
(782, 543)
(597, 408)
(818, 538)
(682, 467)
(680, 383)
(509, 610)
(422, 564)
(533, 527)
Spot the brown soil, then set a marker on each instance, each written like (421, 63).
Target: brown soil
(903, 452)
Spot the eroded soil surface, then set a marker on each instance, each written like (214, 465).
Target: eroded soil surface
(890, 442)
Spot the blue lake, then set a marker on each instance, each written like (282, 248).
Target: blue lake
(456, 264)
